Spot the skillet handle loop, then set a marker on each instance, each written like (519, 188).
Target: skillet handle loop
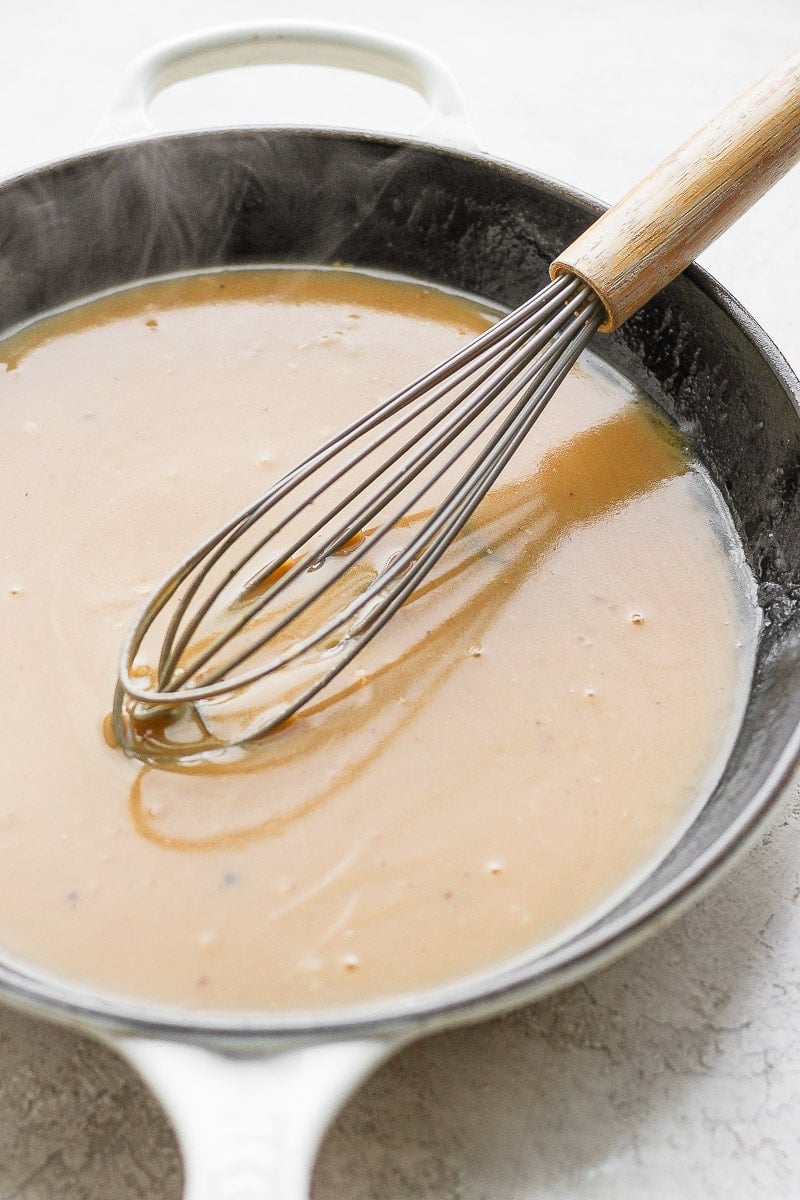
(303, 43)
(249, 1128)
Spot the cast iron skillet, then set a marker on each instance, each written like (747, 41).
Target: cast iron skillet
(461, 219)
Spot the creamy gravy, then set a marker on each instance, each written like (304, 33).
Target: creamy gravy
(527, 735)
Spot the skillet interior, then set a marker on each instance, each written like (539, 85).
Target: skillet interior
(236, 197)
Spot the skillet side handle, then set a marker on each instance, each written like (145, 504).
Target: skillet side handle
(303, 43)
(250, 1127)
(648, 237)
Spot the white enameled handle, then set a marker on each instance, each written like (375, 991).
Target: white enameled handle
(303, 43)
(249, 1128)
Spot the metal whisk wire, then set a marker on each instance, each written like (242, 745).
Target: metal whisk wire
(515, 349)
(506, 375)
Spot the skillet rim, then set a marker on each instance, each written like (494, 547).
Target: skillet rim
(497, 989)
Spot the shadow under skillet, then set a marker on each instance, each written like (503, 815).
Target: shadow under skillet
(560, 1099)
(76, 1122)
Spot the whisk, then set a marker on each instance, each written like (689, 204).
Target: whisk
(271, 608)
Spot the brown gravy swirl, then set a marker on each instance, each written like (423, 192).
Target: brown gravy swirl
(526, 735)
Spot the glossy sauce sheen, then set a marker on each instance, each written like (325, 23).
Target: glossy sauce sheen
(525, 736)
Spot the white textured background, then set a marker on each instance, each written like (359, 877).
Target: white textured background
(675, 1073)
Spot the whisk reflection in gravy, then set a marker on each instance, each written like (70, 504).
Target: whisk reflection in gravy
(516, 527)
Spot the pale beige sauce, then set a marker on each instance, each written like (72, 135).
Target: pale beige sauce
(528, 735)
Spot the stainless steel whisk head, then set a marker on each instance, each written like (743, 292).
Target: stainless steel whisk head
(277, 592)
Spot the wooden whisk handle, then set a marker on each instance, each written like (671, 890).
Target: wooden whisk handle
(653, 232)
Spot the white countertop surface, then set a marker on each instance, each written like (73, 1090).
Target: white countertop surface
(676, 1072)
